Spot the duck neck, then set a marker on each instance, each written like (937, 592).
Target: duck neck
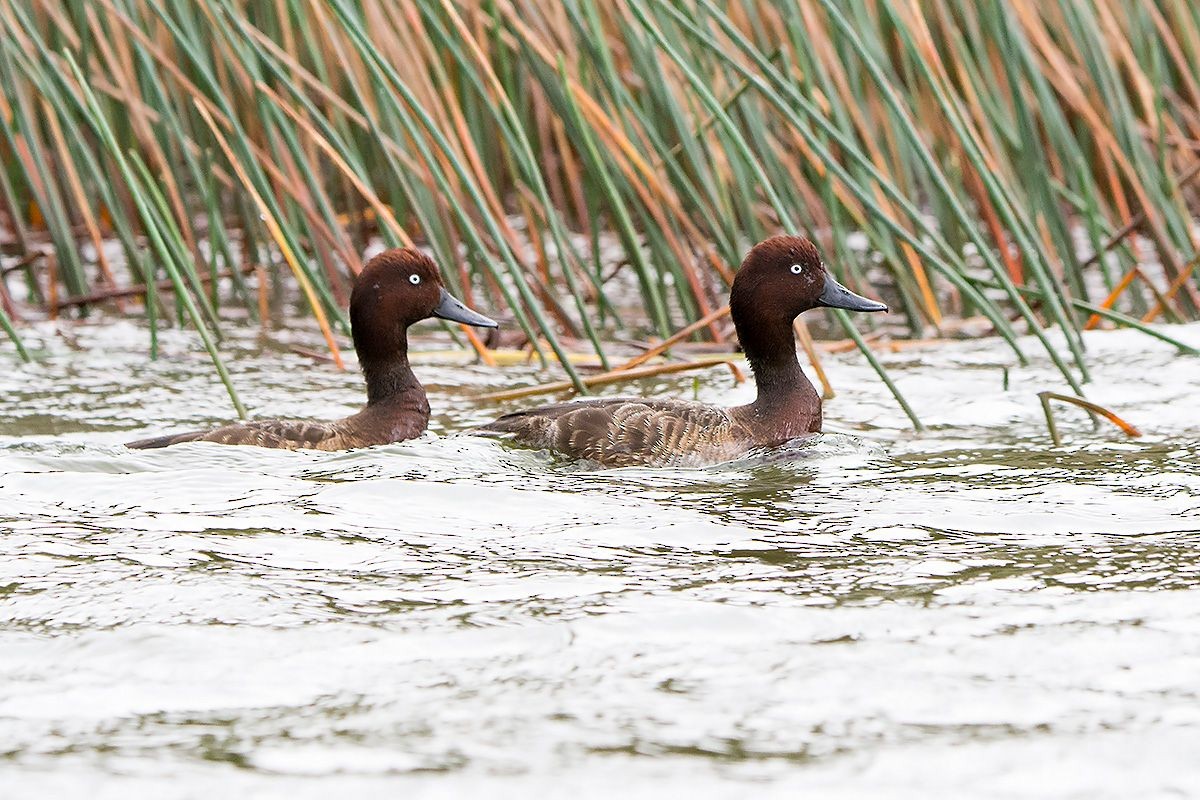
(783, 388)
(390, 379)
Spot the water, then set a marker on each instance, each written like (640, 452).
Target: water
(970, 612)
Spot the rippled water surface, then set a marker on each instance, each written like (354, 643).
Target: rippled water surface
(970, 612)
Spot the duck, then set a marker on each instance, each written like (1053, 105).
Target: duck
(779, 279)
(395, 289)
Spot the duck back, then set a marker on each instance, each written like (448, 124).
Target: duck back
(374, 425)
(276, 433)
(629, 431)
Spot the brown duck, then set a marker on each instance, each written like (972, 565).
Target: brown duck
(780, 279)
(394, 290)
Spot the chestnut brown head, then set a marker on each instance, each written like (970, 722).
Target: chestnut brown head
(784, 276)
(396, 289)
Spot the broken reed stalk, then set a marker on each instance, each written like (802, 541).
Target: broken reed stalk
(1088, 405)
(604, 378)
(163, 285)
(674, 339)
(24, 262)
(1135, 222)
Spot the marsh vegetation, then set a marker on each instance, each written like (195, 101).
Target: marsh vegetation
(1024, 165)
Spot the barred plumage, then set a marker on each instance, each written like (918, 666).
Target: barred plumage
(624, 432)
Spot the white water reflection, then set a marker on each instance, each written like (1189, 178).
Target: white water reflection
(966, 612)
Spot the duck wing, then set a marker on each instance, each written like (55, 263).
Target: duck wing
(281, 434)
(627, 431)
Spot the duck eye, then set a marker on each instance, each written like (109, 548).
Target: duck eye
(797, 269)
(414, 279)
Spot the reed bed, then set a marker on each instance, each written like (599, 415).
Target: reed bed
(1029, 163)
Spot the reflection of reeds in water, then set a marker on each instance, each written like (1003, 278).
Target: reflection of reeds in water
(217, 138)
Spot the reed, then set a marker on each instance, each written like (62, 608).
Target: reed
(1032, 163)
(1096, 411)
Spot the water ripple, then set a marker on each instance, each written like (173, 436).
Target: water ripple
(872, 612)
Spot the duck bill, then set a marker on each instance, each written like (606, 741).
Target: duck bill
(834, 295)
(451, 308)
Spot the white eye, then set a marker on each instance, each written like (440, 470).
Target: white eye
(414, 279)
(797, 269)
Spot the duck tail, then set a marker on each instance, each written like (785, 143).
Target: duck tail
(165, 441)
(493, 428)
(515, 422)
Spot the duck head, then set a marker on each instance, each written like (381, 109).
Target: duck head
(780, 279)
(784, 276)
(394, 290)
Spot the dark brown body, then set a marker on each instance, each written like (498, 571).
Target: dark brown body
(395, 289)
(779, 279)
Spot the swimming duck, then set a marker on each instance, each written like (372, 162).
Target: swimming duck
(394, 290)
(779, 279)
